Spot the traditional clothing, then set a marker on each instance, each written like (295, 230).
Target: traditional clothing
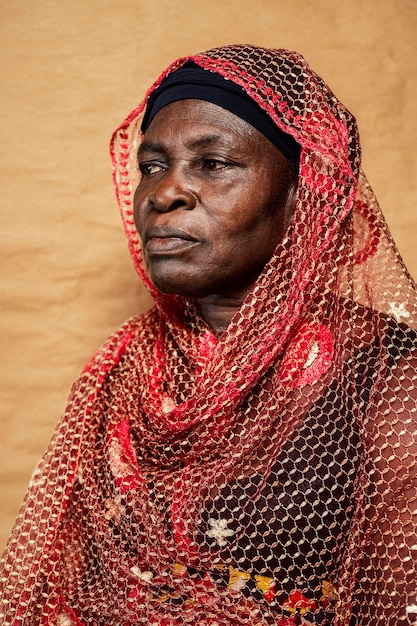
(265, 477)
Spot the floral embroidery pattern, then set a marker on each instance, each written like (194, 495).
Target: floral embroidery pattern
(122, 459)
(219, 531)
(64, 620)
(146, 576)
(398, 311)
(300, 608)
(237, 579)
(411, 612)
(308, 356)
(303, 609)
(267, 586)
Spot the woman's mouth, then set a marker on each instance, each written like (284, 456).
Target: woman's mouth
(163, 239)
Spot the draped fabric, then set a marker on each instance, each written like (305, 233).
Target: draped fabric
(263, 477)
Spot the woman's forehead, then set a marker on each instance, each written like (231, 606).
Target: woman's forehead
(202, 123)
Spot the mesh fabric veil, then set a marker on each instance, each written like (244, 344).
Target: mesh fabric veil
(265, 477)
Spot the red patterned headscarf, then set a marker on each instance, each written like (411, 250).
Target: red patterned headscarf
(266, 477)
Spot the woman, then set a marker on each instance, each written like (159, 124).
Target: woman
(244, 453)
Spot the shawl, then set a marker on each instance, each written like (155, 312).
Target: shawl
(266, 477)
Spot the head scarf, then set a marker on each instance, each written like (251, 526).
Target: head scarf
(193, 82)
(267, 477)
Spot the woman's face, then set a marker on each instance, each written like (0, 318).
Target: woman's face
(214, 200)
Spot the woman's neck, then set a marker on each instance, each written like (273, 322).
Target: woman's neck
(218, 310)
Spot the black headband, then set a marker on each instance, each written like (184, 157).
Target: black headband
(193, 82)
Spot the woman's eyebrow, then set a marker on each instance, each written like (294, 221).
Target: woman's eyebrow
(197, 143)
(204, 141)
(149, 146)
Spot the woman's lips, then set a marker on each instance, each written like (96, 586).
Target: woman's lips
(159, 240)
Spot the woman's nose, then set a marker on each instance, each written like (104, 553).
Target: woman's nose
(171, 192)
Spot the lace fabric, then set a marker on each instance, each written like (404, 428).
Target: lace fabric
(264, 477)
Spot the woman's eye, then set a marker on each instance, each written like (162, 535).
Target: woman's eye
(214, 164)
(147, 169)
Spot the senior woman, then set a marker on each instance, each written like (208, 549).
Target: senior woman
(243, 453)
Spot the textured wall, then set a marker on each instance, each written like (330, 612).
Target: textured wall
(70, 71)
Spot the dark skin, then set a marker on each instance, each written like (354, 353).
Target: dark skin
(214, 200)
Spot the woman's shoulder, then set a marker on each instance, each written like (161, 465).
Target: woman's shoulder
(137, 331)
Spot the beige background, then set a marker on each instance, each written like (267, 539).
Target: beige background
(70, 71)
